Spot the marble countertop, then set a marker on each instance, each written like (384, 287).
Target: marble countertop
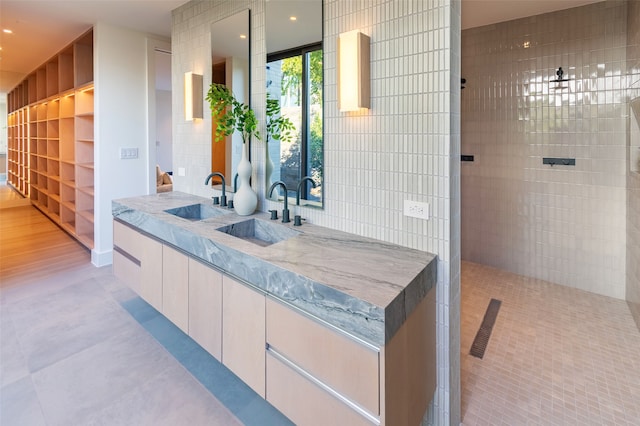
(364, 286)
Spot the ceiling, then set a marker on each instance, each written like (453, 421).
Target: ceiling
(43, 27)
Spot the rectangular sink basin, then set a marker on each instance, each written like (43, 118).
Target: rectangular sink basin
(259, 232)
(197, 212)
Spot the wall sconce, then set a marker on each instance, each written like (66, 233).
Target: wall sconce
(354, 88)
(192, 96)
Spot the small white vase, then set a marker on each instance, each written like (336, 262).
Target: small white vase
(268, 170)
(245, 200)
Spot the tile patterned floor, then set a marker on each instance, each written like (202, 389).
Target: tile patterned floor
(79, 348)
(557, 355)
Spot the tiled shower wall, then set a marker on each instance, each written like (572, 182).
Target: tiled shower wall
(633, 179)
(563, 224)
(405, 147)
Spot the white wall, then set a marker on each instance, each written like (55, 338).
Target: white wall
(405, 147)
(121, 121)
(164, 149)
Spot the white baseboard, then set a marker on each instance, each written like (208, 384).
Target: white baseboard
(102, 259)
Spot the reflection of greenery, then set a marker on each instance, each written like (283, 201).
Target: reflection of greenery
(279, 127)
(230, 114)
(291, 89)
(292, 76)
(316, 149)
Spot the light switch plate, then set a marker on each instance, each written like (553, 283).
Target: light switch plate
(416, 209)
(128, 153)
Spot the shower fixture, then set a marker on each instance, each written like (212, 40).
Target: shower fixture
(559, 73)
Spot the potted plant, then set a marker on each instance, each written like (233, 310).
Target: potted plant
(278, 128)
(231, 116)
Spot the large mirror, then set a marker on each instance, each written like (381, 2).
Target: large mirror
(230, 66)
(295, 96)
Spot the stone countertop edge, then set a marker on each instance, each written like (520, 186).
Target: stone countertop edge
(299, 270)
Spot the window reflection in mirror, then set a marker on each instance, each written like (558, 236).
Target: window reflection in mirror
(230, 66)
(295, 80)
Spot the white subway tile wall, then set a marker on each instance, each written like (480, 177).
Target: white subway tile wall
(562, 224)
(405, 147)
(633, 179)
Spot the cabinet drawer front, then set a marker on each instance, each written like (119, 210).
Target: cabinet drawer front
(343, 364)
(243, 313)
(127, 240)
(175, 287)
(304, 402)
(127, 271)
(205, 307)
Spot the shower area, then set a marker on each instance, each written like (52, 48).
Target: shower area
(550, 170)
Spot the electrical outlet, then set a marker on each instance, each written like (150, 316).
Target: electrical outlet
(416, 209)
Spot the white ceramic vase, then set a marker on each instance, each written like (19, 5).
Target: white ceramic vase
(245, 200)
(268, 170)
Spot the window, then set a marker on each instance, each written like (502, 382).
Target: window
(294, 78)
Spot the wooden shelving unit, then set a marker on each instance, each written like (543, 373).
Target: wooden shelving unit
(50, 138)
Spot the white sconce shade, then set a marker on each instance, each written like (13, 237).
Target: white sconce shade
(354, 87)
(192, 96)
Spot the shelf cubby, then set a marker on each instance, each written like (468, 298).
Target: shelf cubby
(67, 106)
(83, 59)
(84, 176)
(41, 82)
(67, 193)
(53, 109)
(53, 169)
(65, 69)
(68, 173)
(52, 77)
(53, 149)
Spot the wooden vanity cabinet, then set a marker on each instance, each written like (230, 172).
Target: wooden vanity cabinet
(137, 260)
(327, 365)
(243, 333)
(313, 372)
(175, 287)
(205, 307)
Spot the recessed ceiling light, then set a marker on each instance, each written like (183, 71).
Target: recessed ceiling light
(293, 18)
(243, 36)
(7, 31)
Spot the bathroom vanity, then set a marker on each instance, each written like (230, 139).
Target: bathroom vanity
(329, 327)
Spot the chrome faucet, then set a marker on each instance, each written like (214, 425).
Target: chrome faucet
(223, 199)
(300, 185)
(285, 211)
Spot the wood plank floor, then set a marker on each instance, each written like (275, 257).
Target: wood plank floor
(33, 247)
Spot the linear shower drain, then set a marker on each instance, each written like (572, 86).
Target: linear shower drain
(484, 332)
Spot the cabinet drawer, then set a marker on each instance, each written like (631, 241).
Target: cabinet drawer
(127, 240)
(243, 313)
(175, 287)
(345, 365)
(126, 270)
(205, 307)
(303, 401)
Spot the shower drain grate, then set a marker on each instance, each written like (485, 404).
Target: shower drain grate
(484, 333)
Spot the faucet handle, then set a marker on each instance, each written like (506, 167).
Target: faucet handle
(274, 214)
(216, 200)
(223, 201)
(285, 216)
(297, 220)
